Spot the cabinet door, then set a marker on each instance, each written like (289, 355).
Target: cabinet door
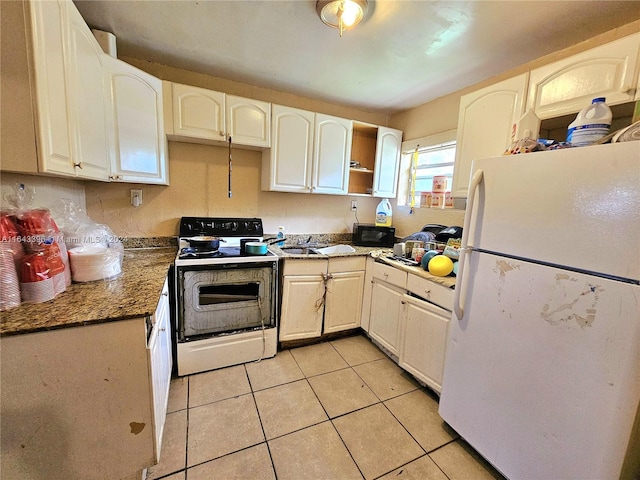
(160, 360)
(366, 295)
(138, 142)
(424, 335)
(302, 307)
(88, 109)
(198, 112)
(386, 309)
(288, 168)
(332, 155)
(485, 124)
(48, 32)
(248, 121)
(343, 306)
(568, 85)
(385, 176)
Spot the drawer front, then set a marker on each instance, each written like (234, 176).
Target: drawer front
(294, 266)
(347, 264)
(431, 291)
(390, 275)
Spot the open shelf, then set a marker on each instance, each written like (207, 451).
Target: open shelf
(363, 151)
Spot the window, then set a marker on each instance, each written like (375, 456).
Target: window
(436, 158)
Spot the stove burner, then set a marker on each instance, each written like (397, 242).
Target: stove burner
(191, 252)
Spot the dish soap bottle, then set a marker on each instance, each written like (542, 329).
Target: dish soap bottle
(383, 213)
(280, 234)
(591, 124)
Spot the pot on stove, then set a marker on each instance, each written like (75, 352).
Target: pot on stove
(259, 248)
(243, 243)
(205, 242)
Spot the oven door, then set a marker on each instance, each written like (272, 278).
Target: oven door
(219, 299)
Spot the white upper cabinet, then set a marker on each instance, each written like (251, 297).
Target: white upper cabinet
(286, 167)
(310, 153)
(197, 112)
(138, 143)
(376, 153)
(87, 100)
(48, 29)
(385, 176)
(65, 74)
(248, 121)
(331, 155)
(199, 115)
(568, 85)
(485, 124)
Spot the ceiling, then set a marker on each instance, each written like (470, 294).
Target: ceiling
(405, 53)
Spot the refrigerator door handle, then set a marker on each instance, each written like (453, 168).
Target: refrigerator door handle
(458, 308)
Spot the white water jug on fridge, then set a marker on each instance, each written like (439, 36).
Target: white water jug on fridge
(591, 124)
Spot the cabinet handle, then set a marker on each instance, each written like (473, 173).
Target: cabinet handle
(165, 294)
(625, 88)
(403, 302)
(427, 291)
(163, 329)
(79, 165)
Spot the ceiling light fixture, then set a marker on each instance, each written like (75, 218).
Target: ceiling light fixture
(341, 14)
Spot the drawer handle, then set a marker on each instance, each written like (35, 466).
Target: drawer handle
(165, 294)
(386, 275)
(163, 329)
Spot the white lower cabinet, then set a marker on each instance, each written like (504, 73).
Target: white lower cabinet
(85, 402)
(410, 329)
(160, 363)
(386, 310)
(388, 288)
(302, 306)
(342, 308)
(423, 339)
(320, 296)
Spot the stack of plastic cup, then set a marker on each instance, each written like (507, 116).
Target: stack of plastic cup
(36, 285)
(9, 283)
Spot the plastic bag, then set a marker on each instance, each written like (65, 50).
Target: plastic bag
(95, 252)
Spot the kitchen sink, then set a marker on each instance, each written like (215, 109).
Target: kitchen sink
(336, 249)
(317, 249)
(299, 250)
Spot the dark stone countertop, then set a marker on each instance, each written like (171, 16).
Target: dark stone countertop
(132, 294)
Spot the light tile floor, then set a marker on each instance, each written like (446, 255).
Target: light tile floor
(335, 410)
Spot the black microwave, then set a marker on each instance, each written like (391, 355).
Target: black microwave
(369, 235)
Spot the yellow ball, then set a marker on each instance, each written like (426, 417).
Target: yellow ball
(440, 266)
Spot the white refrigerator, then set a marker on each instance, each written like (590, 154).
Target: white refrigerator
(542, 369)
